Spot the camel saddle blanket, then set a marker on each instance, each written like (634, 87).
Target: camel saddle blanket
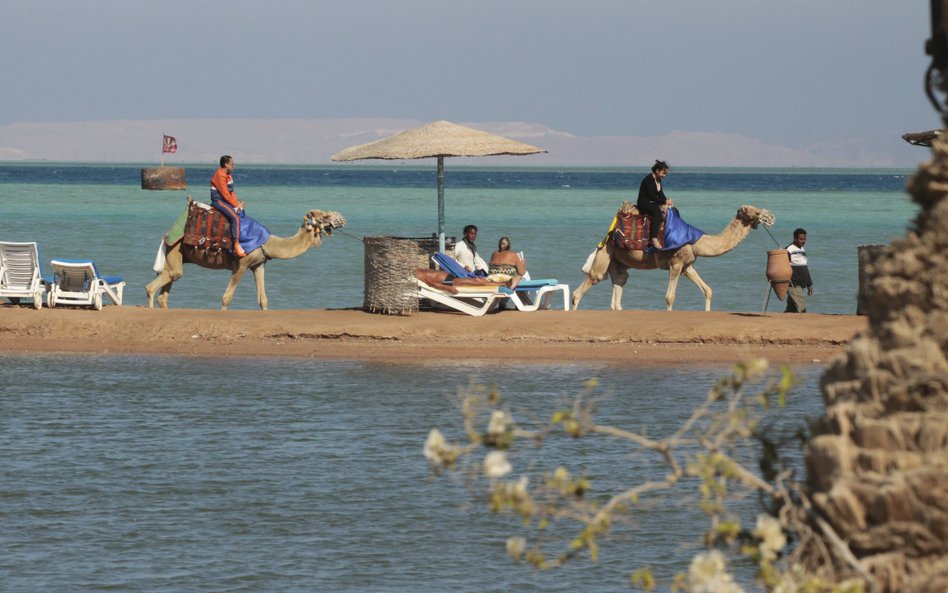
(207, 229)
(631, 230)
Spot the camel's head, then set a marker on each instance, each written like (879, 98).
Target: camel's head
(752, 216)
(319, 222)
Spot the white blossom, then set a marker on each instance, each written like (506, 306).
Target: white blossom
(708, 574)
(496, 464)
(515, 546)
(434, 444)
(499, 421)
(520, 488)
(437, 450)
(770, 533)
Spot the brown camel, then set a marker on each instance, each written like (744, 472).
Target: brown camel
(616, 262)
(310, 235)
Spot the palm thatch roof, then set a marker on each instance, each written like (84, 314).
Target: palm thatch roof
(437, 139)
(922, 138)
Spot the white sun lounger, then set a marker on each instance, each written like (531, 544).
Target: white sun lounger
(473, 300)
(20, 275)
(478, 300)
(77, 282)
(541, 293)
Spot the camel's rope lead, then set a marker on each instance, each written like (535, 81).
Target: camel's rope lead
(772, 236)
(340, 231)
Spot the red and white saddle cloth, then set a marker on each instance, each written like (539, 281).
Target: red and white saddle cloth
(206, 228)
(632, 229)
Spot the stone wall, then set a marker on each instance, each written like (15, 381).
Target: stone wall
(877, 466)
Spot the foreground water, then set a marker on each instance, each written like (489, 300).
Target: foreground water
(191, 475)
(555, 216)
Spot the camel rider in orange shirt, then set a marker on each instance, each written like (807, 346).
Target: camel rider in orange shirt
(224, 199)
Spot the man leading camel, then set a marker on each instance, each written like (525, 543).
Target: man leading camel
(224, 199)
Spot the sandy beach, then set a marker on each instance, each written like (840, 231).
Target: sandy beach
(631, 338)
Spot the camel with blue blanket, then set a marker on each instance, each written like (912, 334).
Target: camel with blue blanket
(207, 247)
(682, 244)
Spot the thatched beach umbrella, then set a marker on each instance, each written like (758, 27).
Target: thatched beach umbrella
(437, 139)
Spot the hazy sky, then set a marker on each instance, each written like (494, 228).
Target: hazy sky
(793, 72)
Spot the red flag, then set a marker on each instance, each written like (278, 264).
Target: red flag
(169, 145)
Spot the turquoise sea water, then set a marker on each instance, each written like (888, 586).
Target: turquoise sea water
(127, 473)
(555, 217)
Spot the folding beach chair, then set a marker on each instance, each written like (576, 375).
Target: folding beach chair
(20, 275)
(77, 282)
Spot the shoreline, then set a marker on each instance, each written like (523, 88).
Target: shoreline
(621, 338)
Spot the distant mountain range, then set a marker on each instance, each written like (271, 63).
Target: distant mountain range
(314, 141)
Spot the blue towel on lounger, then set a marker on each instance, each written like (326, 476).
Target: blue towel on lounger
(452, 266)
(526, 285)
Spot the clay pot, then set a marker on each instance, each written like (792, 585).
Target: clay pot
(779, 271)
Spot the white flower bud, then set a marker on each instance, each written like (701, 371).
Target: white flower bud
(499, 421)
(496, 464)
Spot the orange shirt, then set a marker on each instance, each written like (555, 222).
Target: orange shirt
(222, 187)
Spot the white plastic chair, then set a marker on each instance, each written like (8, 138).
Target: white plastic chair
(20, 275)
(77, 282)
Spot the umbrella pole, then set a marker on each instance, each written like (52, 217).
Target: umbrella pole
(441, 203)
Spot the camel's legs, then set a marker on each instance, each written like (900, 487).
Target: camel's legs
(619, 276)
(152, 287)
(586, 284)
(692, 274)
(597, 271)
(161, 286)
(164, 295)
(616, 303)
(674, 273)
(232, 286)
(172, 272)
(261, 287)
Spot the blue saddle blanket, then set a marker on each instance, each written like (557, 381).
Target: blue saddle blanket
(678, 232)
(252, 233)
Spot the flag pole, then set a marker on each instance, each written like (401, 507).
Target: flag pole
(162, 162)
